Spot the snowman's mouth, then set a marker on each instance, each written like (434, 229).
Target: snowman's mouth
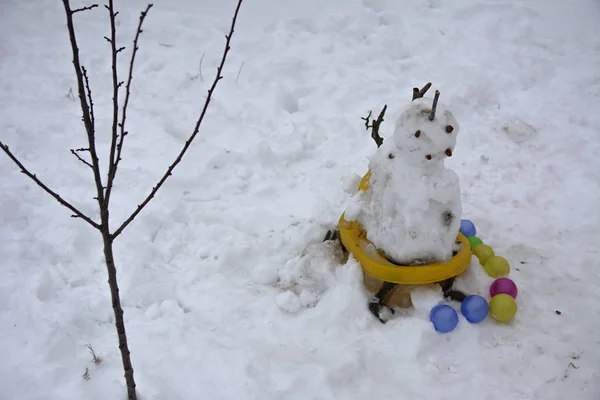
(439, 156)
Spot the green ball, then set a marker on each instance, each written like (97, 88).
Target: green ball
(496, 267)
(483, 252)
(474, 241)
(503, 307)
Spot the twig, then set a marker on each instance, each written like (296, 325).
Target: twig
(200, 68)
(114, 162)
(366, 119)
(239, 72)
(97, 360)
(218, 77)
(65, 203)
(115, 120)
(375, 126)
(70, 94)
(89, 96)
(571, 365)
(81, 159)
(417, 94)
(85, 108)
(84, 8)
(433, 108)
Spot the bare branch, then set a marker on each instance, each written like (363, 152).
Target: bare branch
(194, 133)
(417, 94)
(89, 97)
(84, 8)
(81, 159)
(115, 116)
(65, 203)
(85, 107)
(114, 160)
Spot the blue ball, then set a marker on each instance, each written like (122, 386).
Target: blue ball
(444, 318)
(467, 228)
(475, 308)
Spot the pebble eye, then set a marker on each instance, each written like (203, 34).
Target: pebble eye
(417, 133)
(428, 156)
(391, 155)
(449, 128)
(449, 152)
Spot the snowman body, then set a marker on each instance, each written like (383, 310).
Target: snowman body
(411, 210)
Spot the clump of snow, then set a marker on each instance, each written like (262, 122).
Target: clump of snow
(307, 277)
(425, 297)
(518, 130)
(412, 208)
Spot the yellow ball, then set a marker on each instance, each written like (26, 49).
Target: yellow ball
(503, 307)
(496, 267)
(483, 252)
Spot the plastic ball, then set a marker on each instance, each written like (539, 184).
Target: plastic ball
(503, 308)
(444, 318)
(475, 308)
(483, 252)
(504, 286)
(474, 241)
(496, 267)
(467, 228)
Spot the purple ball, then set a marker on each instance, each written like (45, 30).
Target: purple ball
(504, 286)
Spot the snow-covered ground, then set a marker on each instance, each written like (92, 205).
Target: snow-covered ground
(203, 270)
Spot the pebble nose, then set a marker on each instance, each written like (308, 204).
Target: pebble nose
(449, 152)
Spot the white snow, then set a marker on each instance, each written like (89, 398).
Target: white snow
(412, 208)
(200, 267)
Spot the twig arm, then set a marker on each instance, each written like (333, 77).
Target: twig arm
(375, 131)
(77, 213)
(375, 126)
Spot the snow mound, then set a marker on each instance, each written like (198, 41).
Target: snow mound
(307, 277)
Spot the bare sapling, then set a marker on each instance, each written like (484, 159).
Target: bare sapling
(90, 158)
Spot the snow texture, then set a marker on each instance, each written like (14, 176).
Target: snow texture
(412, 208)
(200, 267)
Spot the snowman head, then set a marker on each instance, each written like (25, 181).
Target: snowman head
(421, 140)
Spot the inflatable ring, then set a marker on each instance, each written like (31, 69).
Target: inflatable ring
(354, 238)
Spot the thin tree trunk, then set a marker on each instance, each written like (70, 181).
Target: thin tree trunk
(118, 311)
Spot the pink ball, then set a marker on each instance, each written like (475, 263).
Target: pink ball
(504, 286)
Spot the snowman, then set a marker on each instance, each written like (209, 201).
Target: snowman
(411, 211)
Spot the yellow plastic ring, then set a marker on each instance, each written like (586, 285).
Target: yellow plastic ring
(355, 240)
(372, 262)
